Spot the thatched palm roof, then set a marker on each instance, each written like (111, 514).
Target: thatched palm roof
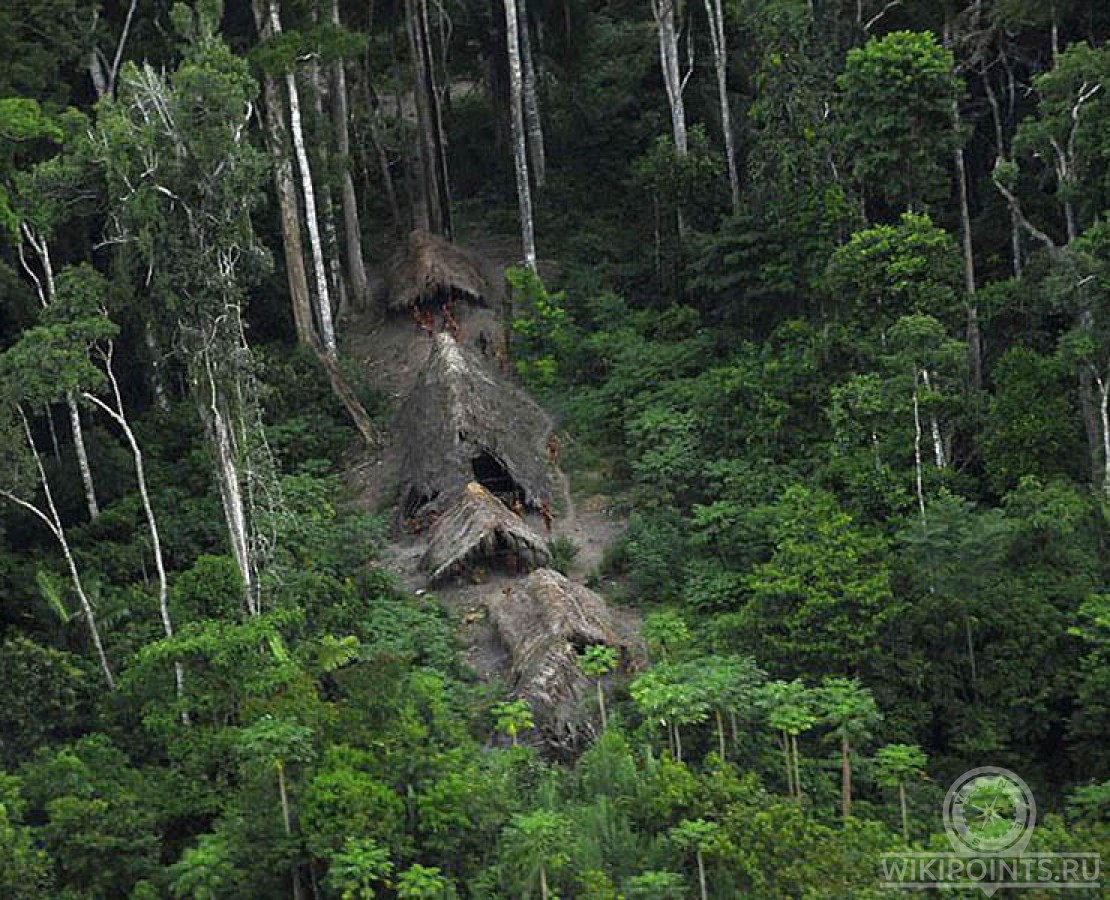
(460, 424)
(430, 265)
(480, 531)
(545, 623)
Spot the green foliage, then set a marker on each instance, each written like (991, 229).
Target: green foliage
(540, 327)
(897, 95)
(512, 717)
(361, 865)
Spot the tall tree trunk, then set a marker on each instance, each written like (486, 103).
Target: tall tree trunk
(429, 119)
(714, 10)
(277, 144)
(701, 874)
(1000, 150)
(516, 120)
(336, 281)
(323, 295)
(974, 341)
(82, 458)
(47, 293)
(214, 414)
(917, 464)
(116, 412)
(53, 522)
(373, 113)
(544, 890)
(533, 125)
(352, 229)
(664, 13)
(601, 705)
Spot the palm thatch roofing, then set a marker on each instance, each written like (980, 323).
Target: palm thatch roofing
(544, 624)
(479, 531)
(461, 423)
(431, 267)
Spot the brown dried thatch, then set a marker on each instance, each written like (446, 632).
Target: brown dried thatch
(545, 623)
(479, 531)
(460, 424)
(431, 267)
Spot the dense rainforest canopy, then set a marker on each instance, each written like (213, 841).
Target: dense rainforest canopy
(816, 297)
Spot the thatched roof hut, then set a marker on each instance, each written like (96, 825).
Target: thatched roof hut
(430, 268)
(479, 531)
(460, 424)
(545, 623)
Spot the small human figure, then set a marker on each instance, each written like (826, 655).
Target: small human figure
(483, 343)
(553, 449)
(548, 516)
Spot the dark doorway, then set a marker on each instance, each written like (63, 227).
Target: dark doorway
(491, 473)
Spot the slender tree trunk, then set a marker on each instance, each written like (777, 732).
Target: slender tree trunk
(48, 412)
(47, 293)
(544, 890)
(54, 522)
(974, 341)
(533, 125)
(516, 121)
(664, 13)
(117, 414)
(323, 295)
(228, 480)
(277, 144)
(82, 458)
(1103, 383)
(845, 778)
(287, 821)
(918, 467)
(373, 112)
(714, 10)
(677, 744)
(1000, 150)
(601, 705)
(905, 814)
(940, 454)
(720, 733)
(432, 136)
(352, 228)
(336, 282)
(701, 875)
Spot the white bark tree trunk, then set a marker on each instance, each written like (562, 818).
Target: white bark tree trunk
(917, 464)
(675, 84)
(82, 457)
(116, 413)
(533, 124)
(53, 522)
(516, 121)
(47, 293)
(352, 229)
(229, 481)
(277, 144)
(319, 268)
(714, 10)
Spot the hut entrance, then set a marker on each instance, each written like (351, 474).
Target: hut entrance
(491, 474)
